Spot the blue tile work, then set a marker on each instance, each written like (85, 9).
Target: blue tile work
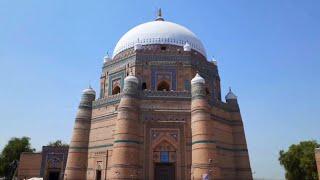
(57, 155)
(167, 70)
(118, 75)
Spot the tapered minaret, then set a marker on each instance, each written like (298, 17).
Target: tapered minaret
(203, 145)
(76, 167)
(241, 156)
(126, 163)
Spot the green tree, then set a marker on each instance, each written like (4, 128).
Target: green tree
(299, 161)
(12, 151)
(58, 143)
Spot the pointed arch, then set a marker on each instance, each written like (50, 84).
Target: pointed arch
(116, 90)
(163, 86)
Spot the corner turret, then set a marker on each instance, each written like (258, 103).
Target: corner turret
(231, 98)
(130, 85)
(127, 144)
(187, 47)
(77, 162)
(201, 130)
(106, 58)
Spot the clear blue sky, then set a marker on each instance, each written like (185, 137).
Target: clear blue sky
(268, 51)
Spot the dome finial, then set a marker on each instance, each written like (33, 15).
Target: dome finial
(159, 15)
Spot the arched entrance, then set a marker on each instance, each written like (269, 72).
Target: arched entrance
(53, 168)
(164, 158)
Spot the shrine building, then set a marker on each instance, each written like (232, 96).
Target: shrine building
(159, 113)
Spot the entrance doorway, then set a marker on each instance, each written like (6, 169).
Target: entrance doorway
(98, 175)
(54, 175)
(164, 171)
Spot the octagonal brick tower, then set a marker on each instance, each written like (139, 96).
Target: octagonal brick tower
(159, 114)
(203, 144)
(128, 134)
(77, 162)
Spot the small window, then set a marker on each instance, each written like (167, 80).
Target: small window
(144, 86)
(116, 90)
(163, 48)
(164, 156)
(163, 86)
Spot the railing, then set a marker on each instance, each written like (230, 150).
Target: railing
(146, 94)
(167, 94)
(113, 99)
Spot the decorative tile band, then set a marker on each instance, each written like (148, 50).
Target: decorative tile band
(137, 142)
(226, 121)
(107, 101)
(101, 146)
(166, 94)
(127, 141)
(77, 147)
(85, 106)
(176, 95)
(218, 147)
(204, 142)
(232, 149)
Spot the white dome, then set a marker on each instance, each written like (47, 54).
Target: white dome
(159, 32)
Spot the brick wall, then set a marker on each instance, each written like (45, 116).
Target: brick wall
(29, 165)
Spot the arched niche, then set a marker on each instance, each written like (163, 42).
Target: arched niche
(116, 90)
(163, 86)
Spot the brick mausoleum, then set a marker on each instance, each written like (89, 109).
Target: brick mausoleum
(159, 114)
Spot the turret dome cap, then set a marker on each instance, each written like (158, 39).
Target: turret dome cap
(137, 46)
(131, 78)
(230, 95)
(198, 79)
(89, 90)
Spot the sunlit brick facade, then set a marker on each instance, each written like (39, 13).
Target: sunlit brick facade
(159, 114)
